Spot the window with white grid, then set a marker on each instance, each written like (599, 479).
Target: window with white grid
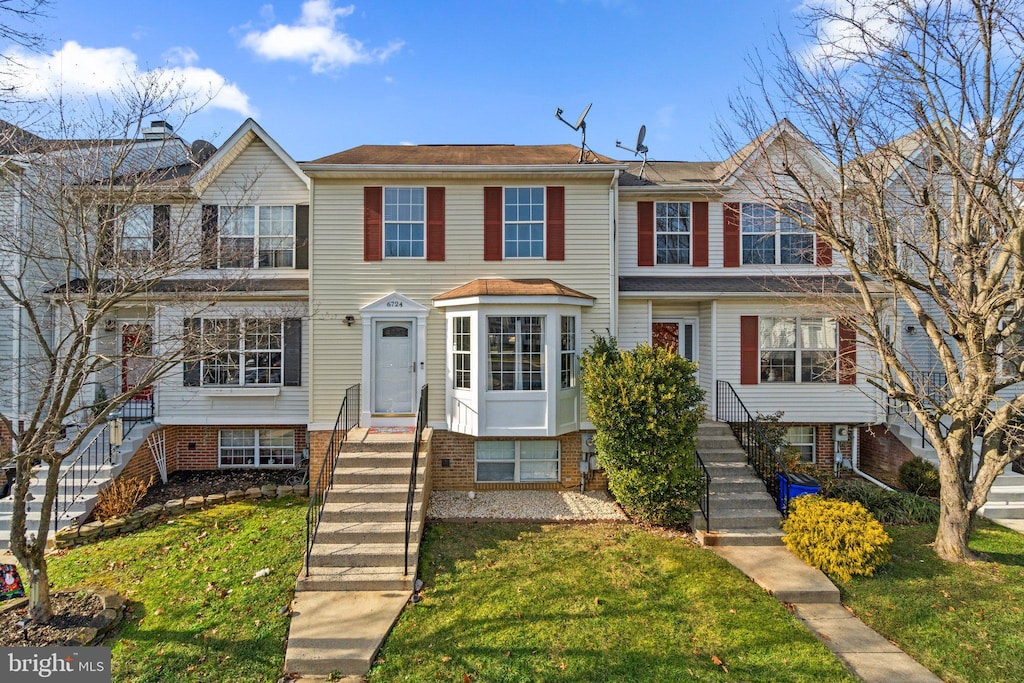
(461, 358)
(515, 347)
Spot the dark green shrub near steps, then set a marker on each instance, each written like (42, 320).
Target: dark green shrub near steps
(920, 477)
(889, 507)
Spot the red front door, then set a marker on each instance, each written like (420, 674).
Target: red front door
(136, 358)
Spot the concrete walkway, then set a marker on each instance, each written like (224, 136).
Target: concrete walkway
(815, 600)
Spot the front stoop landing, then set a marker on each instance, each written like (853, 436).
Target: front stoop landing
(356, 587)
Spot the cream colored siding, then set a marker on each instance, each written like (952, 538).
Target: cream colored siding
(257, 176)
(177, 404)
(634, 322)
(342, 282)
(801, 402)
(706, 353)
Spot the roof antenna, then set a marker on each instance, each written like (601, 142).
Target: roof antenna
(581, 125)
(641, 148)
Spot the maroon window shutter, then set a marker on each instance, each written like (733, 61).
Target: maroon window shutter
(731, 234)
(556, 224)
(645, 233)
(373, 198)
(847, 354)
(700, 234)
(435, 224)
(492, 224)
(822, 252)
(749, 356)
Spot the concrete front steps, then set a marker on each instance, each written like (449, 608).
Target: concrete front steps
(742, 512)
(357, 585)
(82, 507)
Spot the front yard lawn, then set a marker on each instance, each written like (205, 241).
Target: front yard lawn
(961, 621)
(197, 613)
(591, 602)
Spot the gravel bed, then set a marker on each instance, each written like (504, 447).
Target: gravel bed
(568, 505)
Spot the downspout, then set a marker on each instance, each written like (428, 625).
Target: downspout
(714, 357)
(613, 284)
(855, 457)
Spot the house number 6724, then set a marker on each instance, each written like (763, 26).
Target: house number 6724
(394, 304)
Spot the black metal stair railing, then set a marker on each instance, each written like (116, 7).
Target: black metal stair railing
(348, 417)
(421, 423)
(761, 454)
(704, 501)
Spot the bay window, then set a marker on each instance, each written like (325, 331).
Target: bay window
(515, 346)
(461, 353)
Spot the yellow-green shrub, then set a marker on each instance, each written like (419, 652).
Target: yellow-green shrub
(839, 538)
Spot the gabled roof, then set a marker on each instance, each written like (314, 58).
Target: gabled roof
(503, 287)
(728, 170)
(462, 155)
(235, 145)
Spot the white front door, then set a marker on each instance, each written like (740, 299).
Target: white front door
(394, 367)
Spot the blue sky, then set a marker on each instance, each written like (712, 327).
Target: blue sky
(322, 76)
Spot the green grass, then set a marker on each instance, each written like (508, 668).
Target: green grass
(962, 621)
(602, 602)
(196, 612)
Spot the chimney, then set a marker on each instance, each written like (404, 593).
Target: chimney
(158, 130)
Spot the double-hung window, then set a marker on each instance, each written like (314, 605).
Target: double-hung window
(404, 222)
(515, 346)
(461, 357)
(137, 238)
(517, 461)
(798, 349)
(256, 448)
(672, 232)
(801, 440)
(246, 352)
(257, 236)
(567, 354)
(770, 236)
(524, 222)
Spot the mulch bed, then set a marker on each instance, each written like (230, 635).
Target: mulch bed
(71, 612)
(182, 484)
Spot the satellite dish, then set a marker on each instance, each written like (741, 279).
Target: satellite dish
(581, 125)
(640, 148)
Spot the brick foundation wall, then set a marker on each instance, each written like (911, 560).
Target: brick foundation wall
(194, 447)
(6, 442)
(453, 458)
(881, 453)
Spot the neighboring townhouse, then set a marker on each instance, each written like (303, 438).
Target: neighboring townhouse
(707, 266)
(245, 404)
(478, 270)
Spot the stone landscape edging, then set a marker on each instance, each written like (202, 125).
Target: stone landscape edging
(138, 519)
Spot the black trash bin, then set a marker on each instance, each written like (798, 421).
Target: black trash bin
(792, 485)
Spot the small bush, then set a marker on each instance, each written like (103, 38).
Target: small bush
(120, 497)
(888, 507)
(839, 538)
(920, 477)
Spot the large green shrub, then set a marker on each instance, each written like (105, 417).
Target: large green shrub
(646, 406)
(920, 477)
(889, 507)
(839, 538)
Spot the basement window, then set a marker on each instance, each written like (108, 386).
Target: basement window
(517, 461)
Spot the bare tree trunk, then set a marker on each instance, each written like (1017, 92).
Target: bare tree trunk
(956, 515)
(40, 610)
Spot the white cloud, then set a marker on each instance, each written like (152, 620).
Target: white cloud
(78, 70)
(316, 39)
(848, 29)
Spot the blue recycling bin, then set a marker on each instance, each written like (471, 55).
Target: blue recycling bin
(792, 485)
